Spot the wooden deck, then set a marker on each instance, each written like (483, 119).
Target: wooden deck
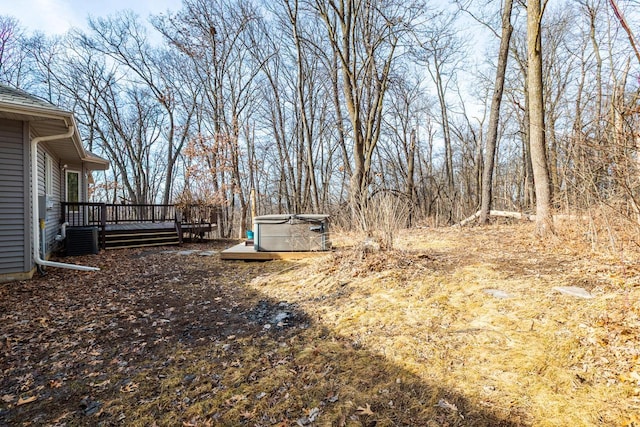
(136, 225)
(140, 226)
(242, 252)
(187, 228)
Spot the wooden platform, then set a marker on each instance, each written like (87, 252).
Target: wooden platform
(140, 234)
(243, 252)
(135, 226)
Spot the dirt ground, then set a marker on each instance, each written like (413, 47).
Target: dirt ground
(457, 327)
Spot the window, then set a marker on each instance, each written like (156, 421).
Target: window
(48, 175)
(73, 188)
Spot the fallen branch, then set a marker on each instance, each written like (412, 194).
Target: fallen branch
(504, 214)
(518, 215)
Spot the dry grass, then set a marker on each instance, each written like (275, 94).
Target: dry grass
(538, 358)
(409, 337)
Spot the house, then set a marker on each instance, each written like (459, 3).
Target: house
(42, 163)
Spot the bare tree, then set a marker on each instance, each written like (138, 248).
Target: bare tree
(212, 37)
(315, 105)
(440, 48)
(364, 36)
(9, 33)
(15, 61)
(494, 115)
(544, 217)
(304, 88)
(400, 144)
(123, 39)
(119, 120)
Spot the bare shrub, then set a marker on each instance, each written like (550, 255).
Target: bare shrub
(382, 216)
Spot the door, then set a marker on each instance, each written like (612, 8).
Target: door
(72, 195)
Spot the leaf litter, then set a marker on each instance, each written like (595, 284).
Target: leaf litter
(410, 337)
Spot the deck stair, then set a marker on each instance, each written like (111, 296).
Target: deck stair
(138, 225)
(137, 238)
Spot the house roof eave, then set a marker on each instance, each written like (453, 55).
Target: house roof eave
(47, 119)
(95, 162)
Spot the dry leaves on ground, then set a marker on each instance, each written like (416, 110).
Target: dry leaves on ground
(408, 337)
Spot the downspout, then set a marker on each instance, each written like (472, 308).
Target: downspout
(34, 201)
(63, 230)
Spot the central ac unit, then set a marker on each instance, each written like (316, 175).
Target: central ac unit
(81, 241)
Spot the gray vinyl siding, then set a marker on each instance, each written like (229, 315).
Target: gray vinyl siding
(52, 224)
(55, 215)
(14, 200)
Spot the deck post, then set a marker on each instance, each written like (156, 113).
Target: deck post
(103, 225)
(179, 230)
(178, 221)
(187, 223)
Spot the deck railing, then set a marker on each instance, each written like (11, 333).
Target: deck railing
(194, 214)
(119, 214)
(103, 214)
(84, 214)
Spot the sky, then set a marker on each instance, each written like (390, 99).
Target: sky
(58, 16)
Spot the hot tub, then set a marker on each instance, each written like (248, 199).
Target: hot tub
(291, 233)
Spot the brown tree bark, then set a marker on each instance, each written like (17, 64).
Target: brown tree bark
(494, 115)
(537, 142)
(411, 186)
(366, 51)
(446, 131)
(306, 132)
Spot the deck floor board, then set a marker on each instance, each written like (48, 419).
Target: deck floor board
(243, 252)
(140, 226)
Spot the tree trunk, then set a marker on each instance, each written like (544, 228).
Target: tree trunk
(494, 115)
(365, 78)
(544, 218)
(448, 161)
(411, 187)
(304, 99)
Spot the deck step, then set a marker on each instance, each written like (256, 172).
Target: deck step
(119, 239)
(141, 232)
(147, 239)
(130, 236)
(143, 245)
